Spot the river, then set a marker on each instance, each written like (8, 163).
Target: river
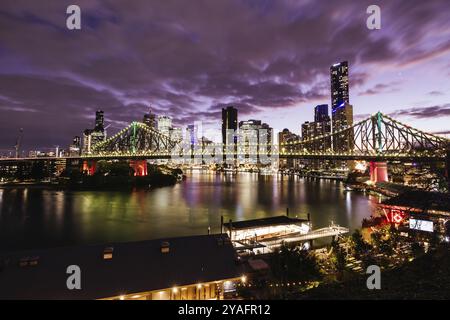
(32, 218)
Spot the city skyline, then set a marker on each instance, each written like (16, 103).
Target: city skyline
(52, 79)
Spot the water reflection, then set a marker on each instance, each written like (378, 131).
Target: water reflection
(46, 218)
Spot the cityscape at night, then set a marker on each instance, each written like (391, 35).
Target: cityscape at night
(228, 150)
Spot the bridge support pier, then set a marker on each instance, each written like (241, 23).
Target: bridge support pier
(139, 167)
(378, 172)
(89, 166)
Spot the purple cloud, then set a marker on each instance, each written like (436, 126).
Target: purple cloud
(188, 60)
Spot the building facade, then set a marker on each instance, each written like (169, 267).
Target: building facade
(229, 122)
(339, 84)
(164, 124)
(341, 109)
(75, 147)
(93, 136)
(255, 138)
(342, 119)
(150, 120)
(284, 138)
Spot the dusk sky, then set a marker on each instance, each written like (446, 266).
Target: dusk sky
(188, 59)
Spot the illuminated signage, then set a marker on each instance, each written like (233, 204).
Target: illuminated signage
(394, 216)
(422, 225)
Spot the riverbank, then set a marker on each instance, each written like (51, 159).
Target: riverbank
(98, 182)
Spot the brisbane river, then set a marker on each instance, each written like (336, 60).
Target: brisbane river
(32, 218)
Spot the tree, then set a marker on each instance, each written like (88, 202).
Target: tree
(117, 168)
(360, 246)
(338, 258)
(417, 249)
(377, 239)
(394, 236)
(291, 263)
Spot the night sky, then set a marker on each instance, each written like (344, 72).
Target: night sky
(188, 59)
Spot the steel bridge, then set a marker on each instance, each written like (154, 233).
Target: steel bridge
(377, 138)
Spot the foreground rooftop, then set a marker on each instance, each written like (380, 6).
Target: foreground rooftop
(133, 267)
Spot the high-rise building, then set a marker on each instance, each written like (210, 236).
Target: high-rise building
(87, 141)
(342, 119)
(93, 136)
(229, 122)
(253, 134)
(164, 124)
(319, 128)
(284, 138)
(75, 147)
(192, 134)
(99, 121)
(307, 130)
(322, 126)
(342, 110)
(339, 84)
(150, 120)
(321, 113)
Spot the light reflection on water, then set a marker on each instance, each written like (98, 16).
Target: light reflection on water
(34, 218)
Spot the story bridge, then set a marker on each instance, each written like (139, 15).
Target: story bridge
(378, 138)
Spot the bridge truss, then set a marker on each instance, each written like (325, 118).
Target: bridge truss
(377, 137)
(134, 140)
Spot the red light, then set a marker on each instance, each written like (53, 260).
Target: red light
(394, 216)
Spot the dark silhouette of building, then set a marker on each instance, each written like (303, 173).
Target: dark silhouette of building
(229, 122)
(99, 121)
(321, 113)
(150, 120)
(93, 136)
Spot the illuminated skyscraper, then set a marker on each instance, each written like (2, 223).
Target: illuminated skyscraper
(164, 125)
(342, 119)
(254, 137)
(339, 84)
(341, 109)
(192, 134)
(75, 147)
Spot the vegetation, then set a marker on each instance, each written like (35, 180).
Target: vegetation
(118, 175)
(292, 263)
(426, 277)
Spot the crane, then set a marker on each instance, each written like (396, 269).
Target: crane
(18, 142)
